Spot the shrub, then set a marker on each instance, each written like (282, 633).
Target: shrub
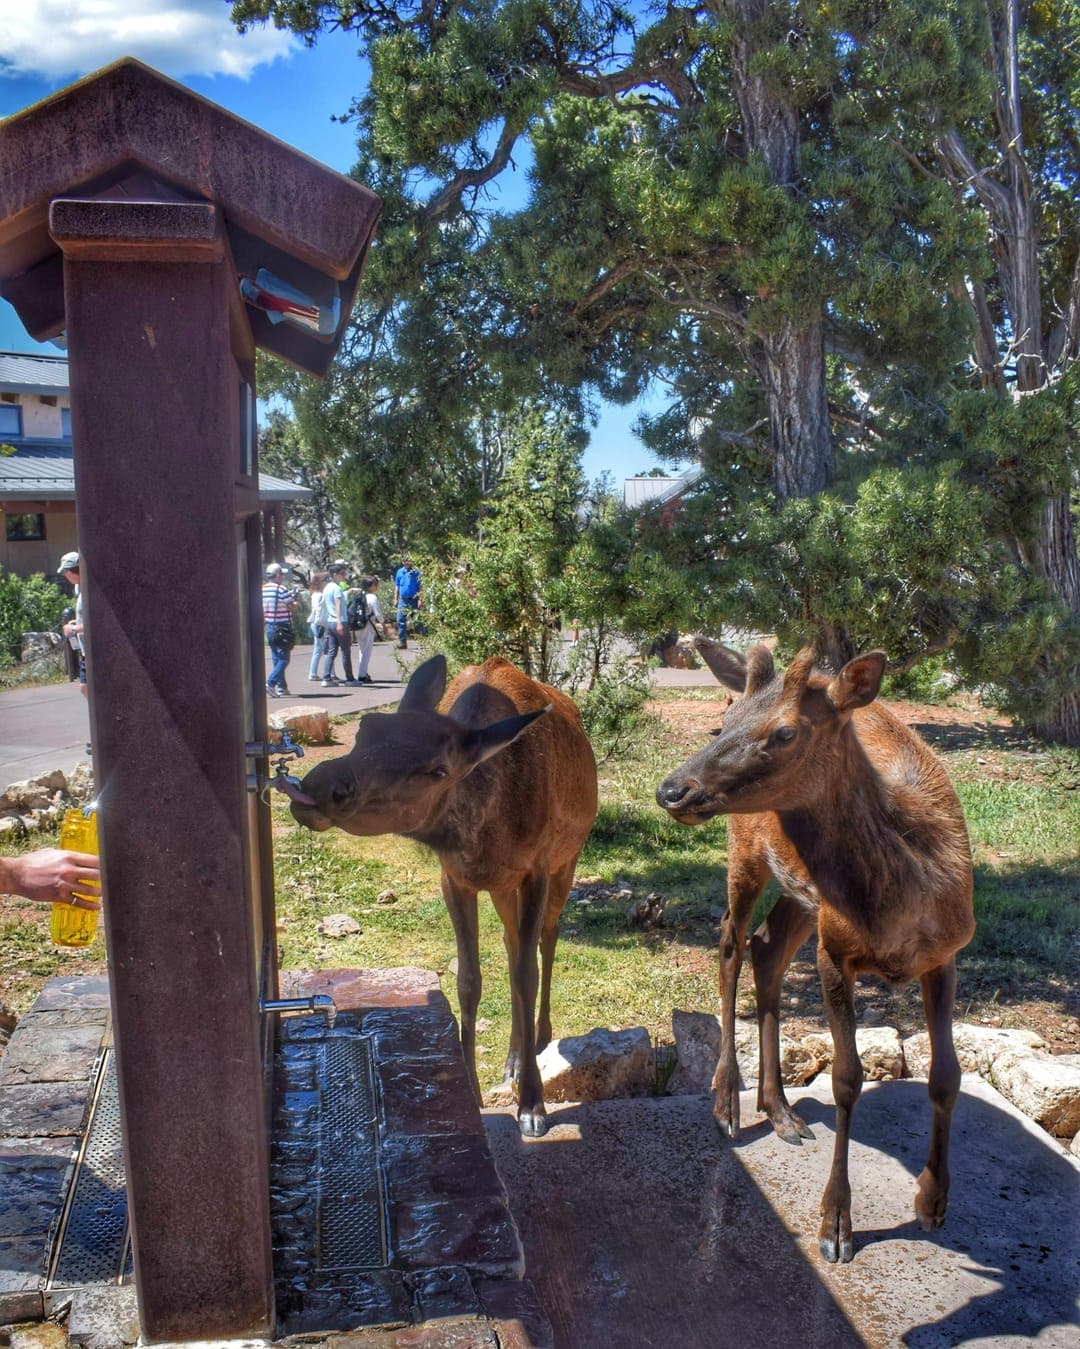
(27, 604)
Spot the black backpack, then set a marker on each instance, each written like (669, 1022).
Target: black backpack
(357, 611)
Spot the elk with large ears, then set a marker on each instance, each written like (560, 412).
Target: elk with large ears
(834, 796)
(499, 779)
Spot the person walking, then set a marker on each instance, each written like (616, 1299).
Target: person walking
(277, 611)
(316, 623)
(335, 620)
(70, 569)
(407, 596)
(365, 634)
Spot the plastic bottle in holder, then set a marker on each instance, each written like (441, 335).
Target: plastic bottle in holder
(72, 926)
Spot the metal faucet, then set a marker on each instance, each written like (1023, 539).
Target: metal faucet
(318, 1002)
(280, 750)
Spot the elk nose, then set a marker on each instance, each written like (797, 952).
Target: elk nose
(675, 790)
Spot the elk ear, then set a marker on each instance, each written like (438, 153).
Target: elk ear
(858, 683)
(760, 668)
(797, 675)
(727, 665)
(426, 686)
(484, 741)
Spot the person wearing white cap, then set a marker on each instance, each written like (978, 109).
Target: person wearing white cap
(70, 570)
(277, 611)
(335, 619)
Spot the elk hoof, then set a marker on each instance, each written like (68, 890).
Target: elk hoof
(532, 1123)
(931, 1201)
(789, 1127)
(835, 1239)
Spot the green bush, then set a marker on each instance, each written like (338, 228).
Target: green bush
(27, 604)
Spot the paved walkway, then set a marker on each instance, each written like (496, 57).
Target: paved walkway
(643, 1229)
(48, 727)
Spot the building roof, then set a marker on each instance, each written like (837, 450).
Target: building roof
(23, 373)
(46, 473)
(656, 491)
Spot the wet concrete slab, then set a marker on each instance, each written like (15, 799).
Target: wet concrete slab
(642, 1227)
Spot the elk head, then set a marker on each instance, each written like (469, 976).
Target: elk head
(763, 757)
(397, 777)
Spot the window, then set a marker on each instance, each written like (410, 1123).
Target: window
(25, 528)
(10, 420)
(65, 423)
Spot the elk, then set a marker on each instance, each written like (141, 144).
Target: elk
(858, 822)
(499, 779)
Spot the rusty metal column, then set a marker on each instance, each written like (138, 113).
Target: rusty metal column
(149, 291)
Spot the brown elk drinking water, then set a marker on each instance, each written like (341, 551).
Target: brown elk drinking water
(500, 781)
(858, 822)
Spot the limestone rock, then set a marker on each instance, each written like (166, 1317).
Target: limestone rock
(1074, 1146)
(11, 827)
(1045, 1087)
(386, 897)
(697, 1048)
(306, 725)
(80, 784)
(976, 1047)
(339, 925)
(599, 1066)
(42, 650)
(880, 1051)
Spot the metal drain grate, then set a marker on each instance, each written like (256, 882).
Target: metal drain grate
(350, 1195)
(93, 1244)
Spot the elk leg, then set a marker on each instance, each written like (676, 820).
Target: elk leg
(771, 948)
(461, 904)
(522, 924)
(746, 880)
(938, 990)
(558, 890)
(837, 983)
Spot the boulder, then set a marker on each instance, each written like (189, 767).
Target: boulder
(34, 793)
(697, 1050)
(976, 1047)
(880, 1051)
(339, 925)
(43, 650)
(1074, 1146)
(599, 1066)
(1045, 1087)
(306, 725)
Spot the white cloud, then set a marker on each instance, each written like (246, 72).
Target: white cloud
(63, 39)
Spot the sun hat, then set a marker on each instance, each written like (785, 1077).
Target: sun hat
(69, 562)
(275, 569)
(339, 565)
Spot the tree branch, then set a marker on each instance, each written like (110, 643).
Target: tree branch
(466, 178)
(905, 663)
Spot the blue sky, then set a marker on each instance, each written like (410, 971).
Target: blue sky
(266, 77)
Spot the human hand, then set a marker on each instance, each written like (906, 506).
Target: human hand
(51, 875)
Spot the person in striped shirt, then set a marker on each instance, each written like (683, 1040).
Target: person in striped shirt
(277, 611)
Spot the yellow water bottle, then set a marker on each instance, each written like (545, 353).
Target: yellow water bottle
(73, 926)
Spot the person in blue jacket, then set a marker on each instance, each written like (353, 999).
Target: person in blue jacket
(407, 596)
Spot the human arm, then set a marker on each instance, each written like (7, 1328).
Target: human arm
(50, 875)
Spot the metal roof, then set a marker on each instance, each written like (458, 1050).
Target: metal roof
(46, 472)
(656, 491)
(22, 373)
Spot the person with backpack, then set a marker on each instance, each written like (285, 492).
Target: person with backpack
(364, 614)
(336, 622)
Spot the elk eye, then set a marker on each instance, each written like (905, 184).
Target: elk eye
(784, 735)
(717, 730)
(437, 772)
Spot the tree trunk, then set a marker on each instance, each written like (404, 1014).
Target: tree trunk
(793, 358)
(798, 411)
(1055, 557)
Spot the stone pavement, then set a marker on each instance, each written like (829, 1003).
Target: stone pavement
(642, 1227)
